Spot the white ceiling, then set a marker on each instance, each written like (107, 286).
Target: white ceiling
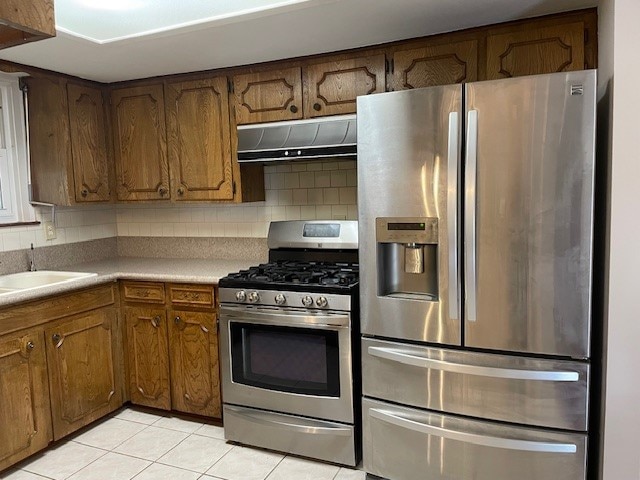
(155, 37)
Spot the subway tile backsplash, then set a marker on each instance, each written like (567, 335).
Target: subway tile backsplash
(297, 191)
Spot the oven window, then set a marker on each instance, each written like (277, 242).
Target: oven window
(296, 360)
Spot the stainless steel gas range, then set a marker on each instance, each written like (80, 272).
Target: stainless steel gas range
(289, 334)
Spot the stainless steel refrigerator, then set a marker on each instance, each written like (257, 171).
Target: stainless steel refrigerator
(476, 231)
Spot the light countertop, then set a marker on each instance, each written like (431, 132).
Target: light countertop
(176, 270)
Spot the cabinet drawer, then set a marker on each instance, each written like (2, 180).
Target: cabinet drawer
(547, 393)
(143, 292)
(409, 444)
(194, 295)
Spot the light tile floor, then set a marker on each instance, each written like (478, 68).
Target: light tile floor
(135, 444)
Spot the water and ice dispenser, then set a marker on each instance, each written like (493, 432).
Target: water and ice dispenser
(407, 257)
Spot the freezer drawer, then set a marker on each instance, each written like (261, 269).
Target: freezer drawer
(407, 444)
(545, 393)
(330, 441)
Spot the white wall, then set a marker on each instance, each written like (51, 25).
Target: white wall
(619, 28)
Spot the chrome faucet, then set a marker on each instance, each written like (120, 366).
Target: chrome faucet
(32, 265)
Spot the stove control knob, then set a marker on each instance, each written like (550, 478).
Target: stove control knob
(241, 296)
(280, 299)
(254, 297)
(322, 302)
(307, 301)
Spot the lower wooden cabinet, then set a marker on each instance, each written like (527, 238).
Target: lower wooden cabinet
(148, 354)
(172, 349)
(82, 364)
(195, 373)
(25, 419)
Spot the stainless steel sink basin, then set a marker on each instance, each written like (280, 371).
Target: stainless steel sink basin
(44, 278)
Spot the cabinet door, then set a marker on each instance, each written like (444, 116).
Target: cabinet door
(148, 351)
(49, 140)
(195, 375)
(82, 363)
(432, 65)
(268, 96)
(25, 418)
(199, 140)
(88, 144)
(139, 137)
(332, 87)
(530, 51)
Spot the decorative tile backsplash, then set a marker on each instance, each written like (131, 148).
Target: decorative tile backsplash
(297, 191)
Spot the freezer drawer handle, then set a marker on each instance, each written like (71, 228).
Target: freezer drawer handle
(483, 440)
(452, 215)
(264, 419)
(470, 214)
(494, 372)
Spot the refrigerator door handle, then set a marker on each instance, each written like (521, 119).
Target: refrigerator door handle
(465, 369)
(470, 214)
(466, 437)
(453, 160)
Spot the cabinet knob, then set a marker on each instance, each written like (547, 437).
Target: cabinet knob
(162, 191)
(56, 337)
(155, 321)
(30, 346)
(177, 320)
(317, 107)
(181, 191)
(84, 192)
(293, 109)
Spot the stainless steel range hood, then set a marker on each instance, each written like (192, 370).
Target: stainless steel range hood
(298, 140)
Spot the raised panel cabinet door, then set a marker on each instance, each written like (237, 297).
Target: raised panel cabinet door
(331, 88)
(432, 65)
(25, 418)
(82, 362)
(199, 140)
(88, 144)
(140, 143)
(49, 140)
(148, 346)
(268, 96)
(195, 372)
(531, 51)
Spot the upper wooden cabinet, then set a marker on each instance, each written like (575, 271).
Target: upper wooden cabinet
(529, 51)
(199, 140)
(331, 88)
(268, 96)
(88, 144)
(140, 144)
(25, 418)
(24, 21)
(67, 138)
(437, 64)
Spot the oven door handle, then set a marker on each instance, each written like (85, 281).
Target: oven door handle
(310, 426)
(284, 317)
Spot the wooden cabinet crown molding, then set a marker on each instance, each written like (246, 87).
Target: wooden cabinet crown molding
(23, 21)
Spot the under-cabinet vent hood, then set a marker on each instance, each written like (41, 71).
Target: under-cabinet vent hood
(298, 140)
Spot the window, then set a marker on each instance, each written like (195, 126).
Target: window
(14, 172)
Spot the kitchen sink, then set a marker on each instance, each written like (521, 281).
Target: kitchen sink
(29, 280)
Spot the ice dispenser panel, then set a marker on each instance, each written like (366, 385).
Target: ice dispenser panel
(407, 257)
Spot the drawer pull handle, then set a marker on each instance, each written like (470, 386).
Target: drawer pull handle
(474, 438)
(494, 372)
(177, 320)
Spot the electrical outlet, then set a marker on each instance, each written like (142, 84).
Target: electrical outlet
(49, 230)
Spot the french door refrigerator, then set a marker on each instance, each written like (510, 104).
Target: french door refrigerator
(476, 230)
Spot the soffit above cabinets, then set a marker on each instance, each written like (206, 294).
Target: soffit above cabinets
(114, 40)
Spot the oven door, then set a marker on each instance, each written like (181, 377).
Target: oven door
(287, 360)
